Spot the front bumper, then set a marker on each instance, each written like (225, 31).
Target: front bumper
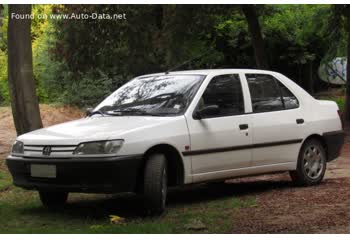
(103, 175)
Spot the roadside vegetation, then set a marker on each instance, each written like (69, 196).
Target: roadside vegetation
(79, 62)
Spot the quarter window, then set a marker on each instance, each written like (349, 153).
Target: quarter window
(290, 101)
(224, 91)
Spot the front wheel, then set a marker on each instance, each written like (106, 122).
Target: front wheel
(311, 165)
(155, 184)
(53, 200)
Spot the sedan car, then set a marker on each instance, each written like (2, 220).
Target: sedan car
(176, 128)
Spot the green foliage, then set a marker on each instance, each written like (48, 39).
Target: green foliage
(41, 32)
(297, 39)
(80, 61)
(336, 35)
(300, 30)
(5, 180)
(92, 87)
(3, 27)
(45, 69)
(42, 39)
(4, 91)
(89, 59)
(233, 40)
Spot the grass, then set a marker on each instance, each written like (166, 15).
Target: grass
(5, 180)
(213, 206)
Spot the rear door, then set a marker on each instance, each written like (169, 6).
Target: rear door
(277, 121)
(216, 139)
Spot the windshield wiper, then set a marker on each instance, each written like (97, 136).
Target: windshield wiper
(103, 114)
(139, 112)
(96, 112)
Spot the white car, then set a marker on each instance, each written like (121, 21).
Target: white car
(171, 129)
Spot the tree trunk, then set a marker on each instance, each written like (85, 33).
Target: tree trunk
(347, 97)
(311, 78)
(1, 14)
(257, 39)
(24, 101)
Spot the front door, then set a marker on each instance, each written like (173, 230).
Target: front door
(219, 140)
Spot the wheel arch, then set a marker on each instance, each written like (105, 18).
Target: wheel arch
(319, 138)
(175, 165)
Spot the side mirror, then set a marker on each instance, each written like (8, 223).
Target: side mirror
(207, 111)
(88, 111)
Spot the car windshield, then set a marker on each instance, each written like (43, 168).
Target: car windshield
(152, 95)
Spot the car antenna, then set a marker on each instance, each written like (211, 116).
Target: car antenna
(188, 61)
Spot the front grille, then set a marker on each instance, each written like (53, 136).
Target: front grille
(49, 151)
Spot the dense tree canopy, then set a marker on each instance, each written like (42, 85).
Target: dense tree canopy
(81, 61)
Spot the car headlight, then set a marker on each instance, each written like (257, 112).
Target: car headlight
(17, 147)
(100, 147)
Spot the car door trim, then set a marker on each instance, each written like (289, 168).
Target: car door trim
(242, 147)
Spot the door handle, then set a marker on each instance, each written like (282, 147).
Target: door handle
(243, 126)
(300, 121)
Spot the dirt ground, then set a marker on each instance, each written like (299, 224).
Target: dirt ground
(280, 207)
(284, 208)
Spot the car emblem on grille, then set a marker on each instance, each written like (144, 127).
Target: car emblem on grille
(47, 151)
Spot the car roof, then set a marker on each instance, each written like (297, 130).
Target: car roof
(210, 71)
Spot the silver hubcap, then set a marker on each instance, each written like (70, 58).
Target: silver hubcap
(313, 162)
(164, 187)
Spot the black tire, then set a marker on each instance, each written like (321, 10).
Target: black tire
(53, 200)
(155, 184)
(310, 170)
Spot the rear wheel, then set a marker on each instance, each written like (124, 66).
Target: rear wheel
(53, 200)
(155, 184)
(311, 165)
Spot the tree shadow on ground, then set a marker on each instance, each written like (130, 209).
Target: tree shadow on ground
(131, 206)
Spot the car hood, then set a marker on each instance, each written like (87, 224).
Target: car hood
(91, 129)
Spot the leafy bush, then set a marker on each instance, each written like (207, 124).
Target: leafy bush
(4, 91)
(81, 61)
(91, 88)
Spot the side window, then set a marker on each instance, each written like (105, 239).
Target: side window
(224, 91)
(264, 92)
(290, 101)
